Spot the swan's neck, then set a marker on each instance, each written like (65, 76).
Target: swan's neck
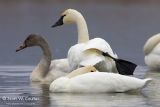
(151, 44)
(77, 72)
(83, 35)
(43, 66)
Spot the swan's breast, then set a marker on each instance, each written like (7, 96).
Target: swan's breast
(59, 85)
(75, 55)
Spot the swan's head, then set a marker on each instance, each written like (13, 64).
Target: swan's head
(90, 69)
(82, 70)
(67, 17)
(31, 40)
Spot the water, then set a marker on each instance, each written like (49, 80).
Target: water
(126, 25)
(15, 89)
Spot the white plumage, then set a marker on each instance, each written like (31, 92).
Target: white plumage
(76, 56)
(152, 52)
(84, 54)
(58, 68)
(97, 82)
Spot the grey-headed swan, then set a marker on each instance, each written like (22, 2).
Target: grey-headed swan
(46, 71)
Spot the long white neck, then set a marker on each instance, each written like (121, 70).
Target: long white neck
(151, 43)
(43, 66)
(83, 35)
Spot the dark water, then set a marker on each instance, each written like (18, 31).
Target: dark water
(16, 90)
(125, 24)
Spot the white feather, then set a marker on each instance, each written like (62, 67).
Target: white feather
(96, 82)
(152, 52)
(58, 68)
(76, 56)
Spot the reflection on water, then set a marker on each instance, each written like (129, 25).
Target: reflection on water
(15, 89)
(98, 100)
(154, 95)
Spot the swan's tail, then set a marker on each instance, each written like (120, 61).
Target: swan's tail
(147, 81)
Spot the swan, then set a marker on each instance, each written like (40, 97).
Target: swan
(152, 52)
(46, 71)
(92, 81)
(76, 56)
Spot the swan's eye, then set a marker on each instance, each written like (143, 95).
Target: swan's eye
(28, 41)
(29, 38)
(62, 17)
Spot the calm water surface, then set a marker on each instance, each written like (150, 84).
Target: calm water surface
(15, 89)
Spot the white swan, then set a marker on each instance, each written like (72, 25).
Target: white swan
(77, 58)
(96, 82)
(46, 71)
(152, 52)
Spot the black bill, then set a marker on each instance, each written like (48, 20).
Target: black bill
(59, 22)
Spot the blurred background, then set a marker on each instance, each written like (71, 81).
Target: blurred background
(125, 24)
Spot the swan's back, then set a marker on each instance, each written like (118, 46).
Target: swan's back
(92, 58)
(94, 48)
(60, 65)
(58, 68)
(100, 44)
(102, 82)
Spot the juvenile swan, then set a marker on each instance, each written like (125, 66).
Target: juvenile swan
(76, 56)
(46, 71)
(152, 52)
(92, 81)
